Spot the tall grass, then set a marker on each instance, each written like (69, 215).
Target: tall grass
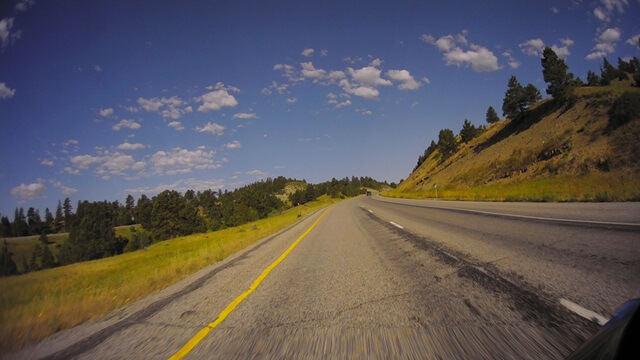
(35, 305)
(595, 187)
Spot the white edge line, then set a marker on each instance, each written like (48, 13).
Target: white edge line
(585, 313)
(396, 225)
(576, 221)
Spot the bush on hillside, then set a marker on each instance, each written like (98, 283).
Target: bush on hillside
(624, 109)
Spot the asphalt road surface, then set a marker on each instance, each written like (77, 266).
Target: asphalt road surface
(386, 278)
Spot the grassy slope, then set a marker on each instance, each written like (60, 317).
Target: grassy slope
(36, 305)
(555, 154)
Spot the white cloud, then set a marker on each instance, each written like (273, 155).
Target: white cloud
(289, 72)
(244, 116)
(426, 80)
(280, 88)
(47, 162)
(23, 5)
(153, 104)
(407, 82)
(139, 166)
(361, 91)
(32, 191)
(567, 42)
(634, 40)
(176, 125)
(6, 92)
(307, 52)
(7, 37)
(71, 171)
(324, 52)
(97, 68)
(561, 51)
(533, 47)
(83, 161)
(368, 76)
(513, 63)
(343, 104)
(216, 100)
(181, 186)
(124, 123)
(182, 161)
(235, 144)
(478, 57)
(609, 8)
(605, 44)
(309, 71)
(365, 112)
(211, 127)
(554, 10)
(106, 112)
(70, 142)
(129, 146)
(257, 173)
(132, 109)
(65, 190)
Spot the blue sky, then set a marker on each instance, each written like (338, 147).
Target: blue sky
(103, 99)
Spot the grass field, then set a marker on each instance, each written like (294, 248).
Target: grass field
(35, 305)
(596, 187)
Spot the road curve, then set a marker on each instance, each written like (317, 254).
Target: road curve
(379, 278)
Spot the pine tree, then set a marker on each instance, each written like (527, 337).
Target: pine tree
(48, 261)
(447, 144)
(59, 218)
(492, 115)
(554, 71)
(607, 72)
(48, 219)
(592, 79)
(33, 264)
(468, 131)
(512, 102)
(67, 213)
(8, 265)
(531, 95)
(43, 238)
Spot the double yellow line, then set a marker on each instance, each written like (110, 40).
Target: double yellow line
(223, 315)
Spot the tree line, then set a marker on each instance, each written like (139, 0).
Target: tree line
(167, 215)
(518, 99)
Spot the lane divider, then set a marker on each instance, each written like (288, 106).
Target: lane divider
(585, 313)
(223, 315)
(396, 225)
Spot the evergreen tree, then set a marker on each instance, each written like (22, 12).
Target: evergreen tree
(5, 227)
(59, 219)
(8, 265)
(67, 214)
(143, 211)
(554, 71)
(513, 99)
(48, 261)
(43, 238)
(531, 95)
(592, 79)
(447, 144)
(33, 264)
(607, 72)
(48, 220)
(468, 131)
(492, 115)
(20, 226)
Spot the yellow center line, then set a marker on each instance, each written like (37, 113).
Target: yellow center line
(223, 315)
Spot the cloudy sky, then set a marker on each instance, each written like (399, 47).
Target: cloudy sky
(100, 99)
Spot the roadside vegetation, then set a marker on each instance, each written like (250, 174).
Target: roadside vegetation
(579, 145)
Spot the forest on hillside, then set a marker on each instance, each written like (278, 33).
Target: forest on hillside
(167, 215)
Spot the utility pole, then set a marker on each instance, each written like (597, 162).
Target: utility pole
(436, 187)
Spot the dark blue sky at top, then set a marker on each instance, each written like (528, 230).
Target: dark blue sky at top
(63, 63)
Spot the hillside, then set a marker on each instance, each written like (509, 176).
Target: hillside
(553, 153)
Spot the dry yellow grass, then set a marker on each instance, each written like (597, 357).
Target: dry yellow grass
(36, 305)
(553, 154)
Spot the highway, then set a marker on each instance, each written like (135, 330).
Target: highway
(388, 278)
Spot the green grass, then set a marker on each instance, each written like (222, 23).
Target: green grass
(36, 305)
(595, 187)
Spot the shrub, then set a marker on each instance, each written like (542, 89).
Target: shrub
(624, 109)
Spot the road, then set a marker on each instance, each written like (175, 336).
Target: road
(389, 278)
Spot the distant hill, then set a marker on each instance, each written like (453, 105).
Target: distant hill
(552, 153)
